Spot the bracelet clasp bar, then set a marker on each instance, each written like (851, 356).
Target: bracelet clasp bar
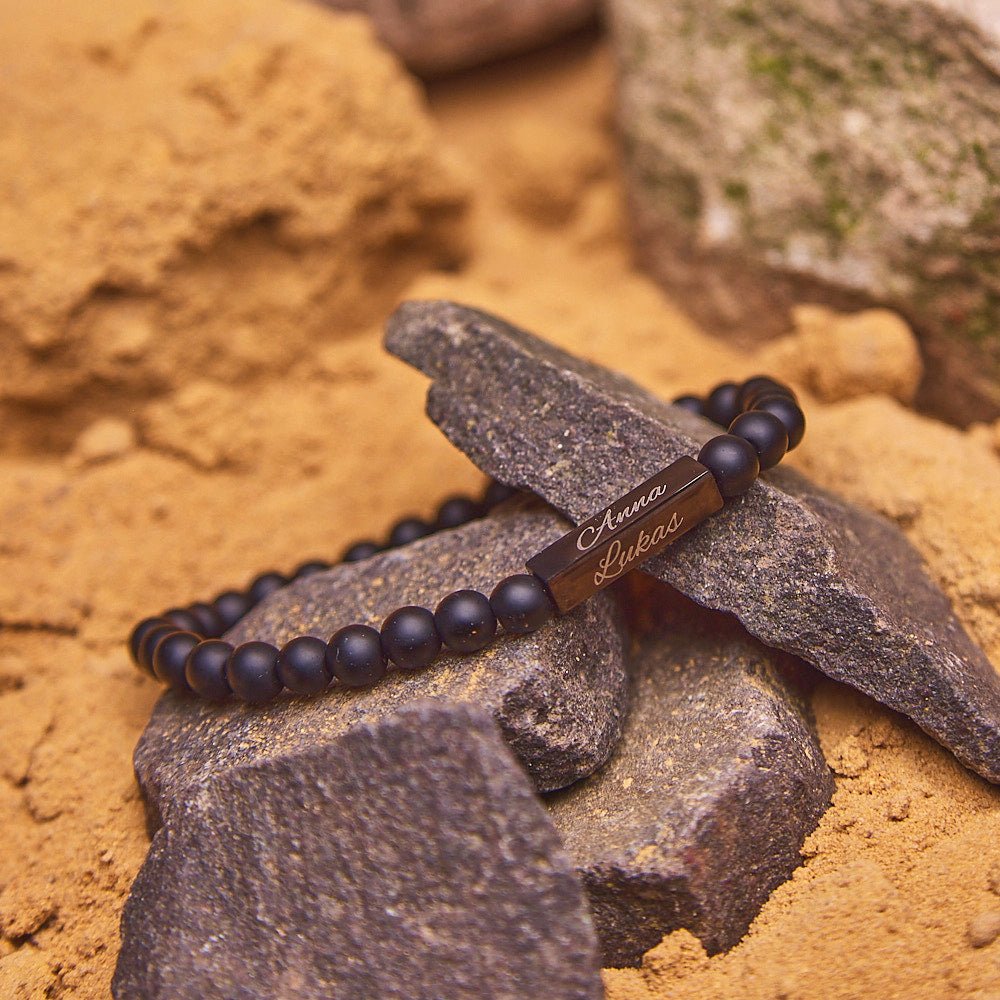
(627, 532)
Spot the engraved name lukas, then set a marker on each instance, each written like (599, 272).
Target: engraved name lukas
(619, 559)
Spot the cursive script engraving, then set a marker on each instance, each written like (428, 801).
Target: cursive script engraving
(621, 536)
(619, 560)
(591, 534)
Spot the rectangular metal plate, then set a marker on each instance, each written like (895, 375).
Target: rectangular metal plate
(627, 533)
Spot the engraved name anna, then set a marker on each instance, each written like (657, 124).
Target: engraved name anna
(591, 534)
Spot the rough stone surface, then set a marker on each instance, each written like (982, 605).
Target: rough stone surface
(411, 860)
(558, 695)
(843, 153)
(220, 184)
(803, 570)
(702, 809)
(435, 36)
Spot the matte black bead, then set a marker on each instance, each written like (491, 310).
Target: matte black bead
(409, 529)
(354, 656)
(171, 656)
(766, 433)
(310, 568)
(496, 493)
(692, 403)
(732, 461)
(302, 665)
(456, 511)
(252, 672)
(723, 404)
(205, 669)
(409, 638)
(465, 621)
(147, 647)
(210, 624)
(758, 386)
(521, 603)
(265, 585)
(359, 551)
(183, 619)
(231, 606)
(788, 412)
(139, 633)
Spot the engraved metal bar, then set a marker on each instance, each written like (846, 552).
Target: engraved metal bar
(627, 533)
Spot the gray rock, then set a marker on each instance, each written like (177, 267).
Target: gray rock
(845, 153)
(410, 860)
(803, 570)
(558, 695)
(703, 807)
(438, 36)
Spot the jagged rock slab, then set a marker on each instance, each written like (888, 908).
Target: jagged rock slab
(559, 695)
(825, 152)
(802, 569)
(410, 860)
(439, 36)
(703, 807)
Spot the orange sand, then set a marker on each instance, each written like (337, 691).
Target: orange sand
(149, 491)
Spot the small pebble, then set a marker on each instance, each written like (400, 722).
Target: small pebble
(993, 878)
(102, 441)
(984, 928)
(898, 808)
(849, 759)
(31, 914)
(842, 356)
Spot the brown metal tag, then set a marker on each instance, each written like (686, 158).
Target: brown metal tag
(620, 537)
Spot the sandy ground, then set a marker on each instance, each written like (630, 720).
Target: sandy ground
(198, 485)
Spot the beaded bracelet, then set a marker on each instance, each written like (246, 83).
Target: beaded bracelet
(183, 647)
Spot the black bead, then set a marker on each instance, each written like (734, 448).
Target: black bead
(521, 603)
(496, 493)
(265, 585)
(732, 461)
(147, 647)
(692, 403)
(302, 665)
(723, 404)
(354, 656)
(758, 386)
(231, 606)
(210, 624)
(766, 433)
(456, 511)
(788, 412)
(205, 669)
(139, 633)
(409, 529)
(171, 656)
(409, 638)
(310, 568)
(465, 621)
(359, 551)
(252, 672)
(183, 619)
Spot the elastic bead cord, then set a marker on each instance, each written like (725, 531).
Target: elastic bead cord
(763, 420)
(184, 649)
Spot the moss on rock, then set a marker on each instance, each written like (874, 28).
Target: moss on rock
(852, 152)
